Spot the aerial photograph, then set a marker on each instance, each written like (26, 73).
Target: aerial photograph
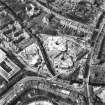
(52, 52)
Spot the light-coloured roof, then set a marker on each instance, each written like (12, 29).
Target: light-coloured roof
(2, 55)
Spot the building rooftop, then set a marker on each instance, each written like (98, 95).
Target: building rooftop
(2, 55)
